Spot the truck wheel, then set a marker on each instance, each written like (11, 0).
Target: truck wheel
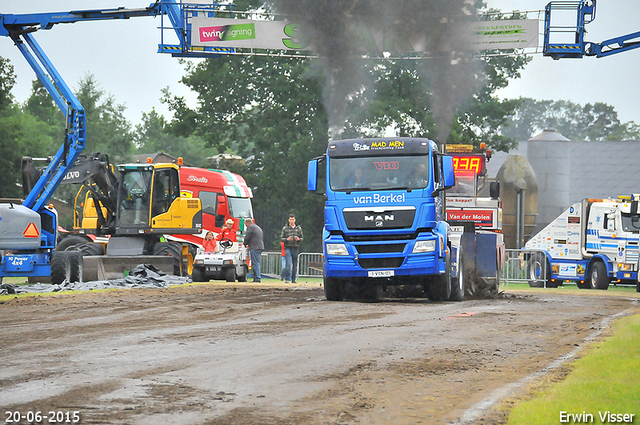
(230, 274)
(333, 289)
(637, 286)
(198, 275)
(440, 289)
(76, 266)
(60, 268)
(458, 283)
(598, 278)
(536, 267)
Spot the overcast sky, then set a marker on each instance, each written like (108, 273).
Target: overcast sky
(122, 56)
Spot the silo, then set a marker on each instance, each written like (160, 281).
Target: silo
(549, 154)
(519, 195)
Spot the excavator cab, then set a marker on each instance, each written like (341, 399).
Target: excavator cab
(149, 201)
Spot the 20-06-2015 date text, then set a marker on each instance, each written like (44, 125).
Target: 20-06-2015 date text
(50, 417)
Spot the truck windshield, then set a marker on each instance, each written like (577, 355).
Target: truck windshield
(379, 173)
(240, 207)
(631, 223)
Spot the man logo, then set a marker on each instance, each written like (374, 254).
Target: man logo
(379, 219)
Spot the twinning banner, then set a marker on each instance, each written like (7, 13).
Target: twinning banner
(284, 35)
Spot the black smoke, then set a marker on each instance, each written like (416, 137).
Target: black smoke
(449, 66)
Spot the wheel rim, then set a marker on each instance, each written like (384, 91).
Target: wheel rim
(536, 271)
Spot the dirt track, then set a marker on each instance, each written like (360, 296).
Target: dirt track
(213, 353)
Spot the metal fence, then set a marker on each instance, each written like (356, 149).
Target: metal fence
(309, 264)
(517, 269)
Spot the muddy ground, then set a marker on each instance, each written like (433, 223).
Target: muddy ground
(269, 354)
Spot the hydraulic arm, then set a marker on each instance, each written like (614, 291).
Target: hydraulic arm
(566, 40)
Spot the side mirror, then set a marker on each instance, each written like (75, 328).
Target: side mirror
(448, 175)
(312, 175)
(494, 190)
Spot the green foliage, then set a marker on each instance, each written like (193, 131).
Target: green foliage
(7, 81)
(593, 122)
(108, 131)
(152, 136)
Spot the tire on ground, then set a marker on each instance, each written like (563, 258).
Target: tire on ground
(598, 278)
(440, 285)
(458, 283)
(76, 266)
(333, 288)
(536, 266)
(198, 275)
(60, 267)
(230, 274)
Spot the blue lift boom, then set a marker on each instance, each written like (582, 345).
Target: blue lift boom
(567, 40)
(28, 231)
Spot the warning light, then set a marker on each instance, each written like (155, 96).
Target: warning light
(31, 231)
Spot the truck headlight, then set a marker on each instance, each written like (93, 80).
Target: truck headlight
(424, 246)
(337, 249)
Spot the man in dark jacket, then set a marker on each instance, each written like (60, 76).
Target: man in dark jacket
(291, 236)
(253, 238)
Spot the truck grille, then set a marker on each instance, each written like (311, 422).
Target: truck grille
(381, 263)
(361, 219)
(380, 248)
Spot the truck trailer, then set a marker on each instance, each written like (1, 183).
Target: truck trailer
(593, 243)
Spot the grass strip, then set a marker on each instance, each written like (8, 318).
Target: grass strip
(602, 383)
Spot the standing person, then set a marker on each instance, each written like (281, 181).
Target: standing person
(253, 238)
(292, 237)
(283, 256)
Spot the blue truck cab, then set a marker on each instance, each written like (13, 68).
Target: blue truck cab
(384, 216)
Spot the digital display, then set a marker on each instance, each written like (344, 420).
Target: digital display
(474, 163)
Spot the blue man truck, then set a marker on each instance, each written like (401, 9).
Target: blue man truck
(385, 217)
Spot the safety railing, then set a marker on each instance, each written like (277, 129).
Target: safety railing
(309, 264)
(531, 268)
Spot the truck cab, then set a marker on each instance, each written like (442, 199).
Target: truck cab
(384, 215)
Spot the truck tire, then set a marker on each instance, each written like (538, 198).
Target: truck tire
(230, 274)
(76, 266)
(536, 266)
(333, 288)
(440, 288)
(458, 283)
(60, 267)
(598, 278)
(198, 275)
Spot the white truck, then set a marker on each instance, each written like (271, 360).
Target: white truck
(593, 243)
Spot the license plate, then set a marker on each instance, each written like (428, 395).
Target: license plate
(381, 273)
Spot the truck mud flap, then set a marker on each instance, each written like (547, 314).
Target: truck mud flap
(116, 267)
